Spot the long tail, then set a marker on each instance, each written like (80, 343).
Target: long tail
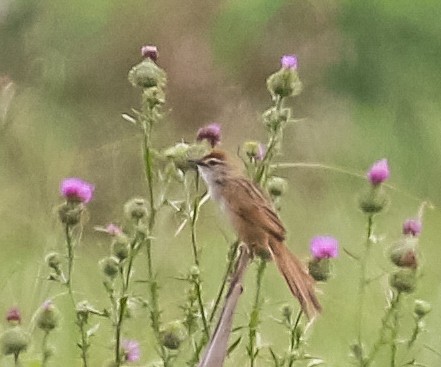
(299, 281)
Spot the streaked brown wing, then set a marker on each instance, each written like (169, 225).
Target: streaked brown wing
(256, 208)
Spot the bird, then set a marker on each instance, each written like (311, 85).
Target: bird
(256, 223)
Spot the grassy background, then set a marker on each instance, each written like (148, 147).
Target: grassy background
(372, 84)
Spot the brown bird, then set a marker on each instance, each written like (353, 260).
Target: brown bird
(256, 224)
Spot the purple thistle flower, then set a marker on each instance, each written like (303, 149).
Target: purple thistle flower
(412, 227)
(13, 315)
(113, 229)
(131, 350)
(211, 133)
(48, 305)
(324, 247)
(150, 52)
(75, 189)
(261, 152)
(379, 172)
(289, 62)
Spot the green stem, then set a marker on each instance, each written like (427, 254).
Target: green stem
(70, 255)
(194, 219)
(253, 350)
(44, 349)
(16, 360)
(264, 166)
(84, 343)
(197, 284)
(122, 310)
(391, 311)
(363, 280)
(70, 266)
(148, 161)
(293, 345)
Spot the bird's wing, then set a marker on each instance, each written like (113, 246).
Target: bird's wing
(256, 208)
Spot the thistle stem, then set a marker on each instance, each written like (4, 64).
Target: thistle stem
(363, 280)
(254, 322)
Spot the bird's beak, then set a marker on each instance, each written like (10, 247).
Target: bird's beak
(194, 163)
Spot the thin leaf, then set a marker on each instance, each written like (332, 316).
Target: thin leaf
(234, 345)
(128, 118)
(93, 330)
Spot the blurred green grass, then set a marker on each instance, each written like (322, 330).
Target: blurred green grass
(372, 80)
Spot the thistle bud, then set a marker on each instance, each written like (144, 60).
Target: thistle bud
(14, 341)
(412, 227)
(13, 316)
(147, 75)
(195, 272)
(110, 266)
(172, 335)
(47, 317)
(285, 82)
(136, 209)
(251, 149)
(287, 312)
(211, 133)
(404, 280)
(120, 247)
(150, 52)
(403, 253)
(83, 311)
(379, 172)
(374, 200)
(421, 308)
(277, 186)
(53, 260)
(70, 213)
(319, 269)
(179, 155)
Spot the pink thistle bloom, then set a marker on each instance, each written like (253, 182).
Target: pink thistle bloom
(48, 305)
(131, 350)
(211, 133)
(324, 247)
(289, 62)
(261, 152)
(412, 227)
(13, 315)
(379, 172)
(75, 189)
(150, 52)
(113, 230)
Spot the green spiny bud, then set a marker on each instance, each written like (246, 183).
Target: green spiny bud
(110, 266)
(53, 260)
(194, 271)
(374, 200)
(320, 269)
(172, 335)
(403, 253)
(422, 308)
(287, 312)
(404, 280)
(47, 317)
(179, 155)
(14, 341)
(147, 75)
(284, 83)
(120, 247)
(70, 213)
(277, 186)
(136, 209)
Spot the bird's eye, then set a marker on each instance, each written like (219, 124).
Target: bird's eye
(213, 162)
